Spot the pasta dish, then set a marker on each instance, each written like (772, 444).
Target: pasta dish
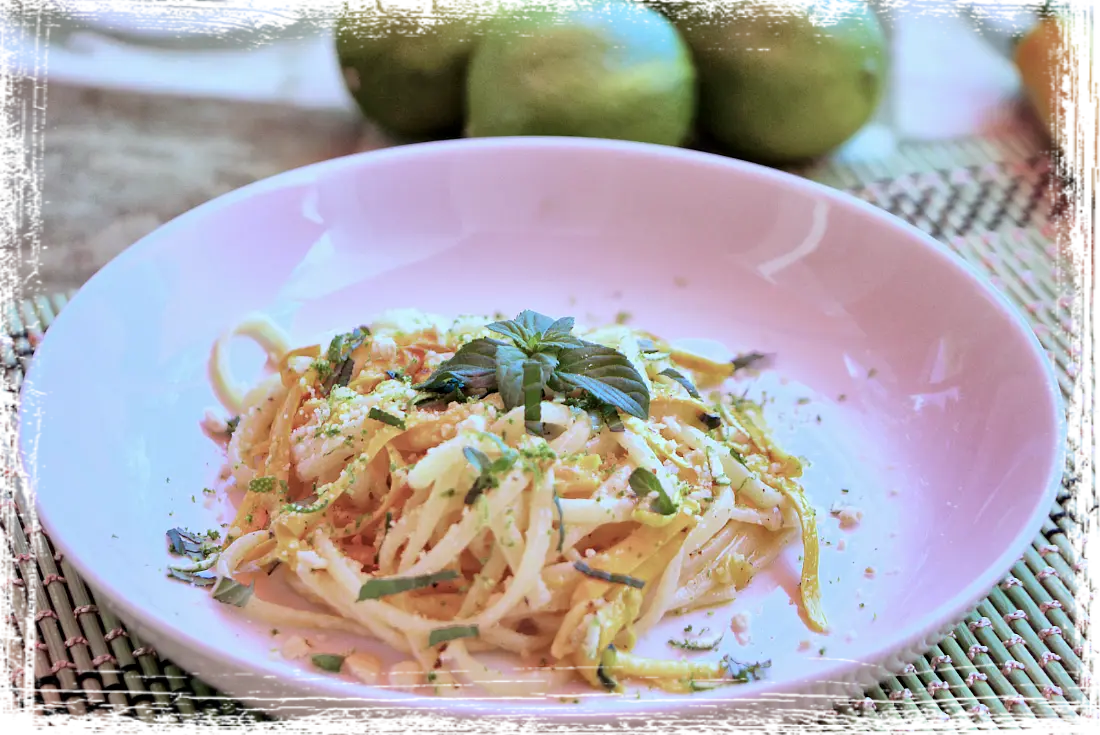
(457, 488)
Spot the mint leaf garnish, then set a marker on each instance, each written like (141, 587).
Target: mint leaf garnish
(607, 375)
(509, 370)
(540, 354)
(559, 334)
(471, 369)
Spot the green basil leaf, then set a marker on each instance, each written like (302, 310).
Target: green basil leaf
(231, 425)
(607, 375)
(509, 374)
(373, 589)
(746, 360)
(644, 483)
(232, 592)
(386, 418)
(328, 662)
(443, 635)
(682, 380)
(472, 367)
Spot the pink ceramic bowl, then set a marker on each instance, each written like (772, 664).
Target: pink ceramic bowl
(921, 398)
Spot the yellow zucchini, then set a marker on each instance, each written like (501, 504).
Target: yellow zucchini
(1059, 65)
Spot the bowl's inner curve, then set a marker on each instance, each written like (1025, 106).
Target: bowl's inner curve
(927, 409)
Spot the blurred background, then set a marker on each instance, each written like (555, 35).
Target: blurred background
(118, 114)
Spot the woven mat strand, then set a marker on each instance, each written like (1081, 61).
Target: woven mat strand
(1017, 655)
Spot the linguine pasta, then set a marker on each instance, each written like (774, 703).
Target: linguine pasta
(454, 488)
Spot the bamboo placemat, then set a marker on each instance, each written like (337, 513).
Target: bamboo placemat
(1017, 655)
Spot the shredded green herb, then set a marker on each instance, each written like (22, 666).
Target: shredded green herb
(199, 579)
(644, 483)
(185, 543)
(747, 360)
(679, 377)
(374, 589)
(629, 581)
(232, 592)
(339, 355)
(737, 455)
(689, 645)
(488, 470)
(745, 673)
(710, 420)
(386, 418)
(328, 662)
(443, 635)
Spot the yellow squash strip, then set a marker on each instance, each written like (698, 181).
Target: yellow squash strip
(671, 675)
(1059, 65)
(611, 619)
(628, 555)
(624, 558)
(810, 586)
(256, 510)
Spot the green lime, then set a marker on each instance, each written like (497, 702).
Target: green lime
(780, 84)
(406, 69)
(601, 70)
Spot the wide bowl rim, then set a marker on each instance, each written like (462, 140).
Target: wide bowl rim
(916, 634)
